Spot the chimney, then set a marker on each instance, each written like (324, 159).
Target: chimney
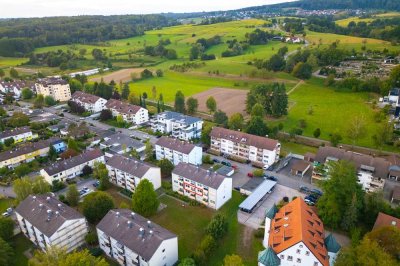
(394, 223)
(130, 224)
(149, 224)
(132, 215)
(57, 213)
(117, 214)
(141, 232)
(59, 206)
(48, 199)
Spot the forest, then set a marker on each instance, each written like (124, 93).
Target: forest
(344, 4)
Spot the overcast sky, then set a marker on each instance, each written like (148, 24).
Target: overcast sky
(41, 8)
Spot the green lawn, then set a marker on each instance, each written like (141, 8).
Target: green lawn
(11, 61)
(291, 147)
(20, 244)
(5, 203)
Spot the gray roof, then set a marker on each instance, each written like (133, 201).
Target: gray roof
(13, 132)
(200, 175)
(175, 144)
(18, 84)
(38, 215)
(72, 162)
(119, 139)
(51, 81)
(380, 165)
(178, 117)
(252, 184)
(85, 97)
(251, 201)
(122, 107)
(129, 165)
(115, 224)
(225, 170)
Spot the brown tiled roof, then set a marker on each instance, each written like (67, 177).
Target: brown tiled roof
(14, 132)
(115, 224)
(38, 215)
(297, 222)
(129, 165)
(396, 193)
(175, 144)
(18, 84)
(122, 107)
(85, 97)
(199, 175)
(244, 138)
(386, 220)
(381, 165)
(300, 165)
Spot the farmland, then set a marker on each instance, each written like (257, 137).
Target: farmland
(345, 22)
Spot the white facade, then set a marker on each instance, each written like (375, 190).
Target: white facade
(140, 117)
(21, 137)
(194, 157)
(180, 126)
(95, 107)
(298, 254)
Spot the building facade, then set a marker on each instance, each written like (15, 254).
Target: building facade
(209, 188)
(90, 102)
(132, 240)
(259, 150)
(128, 172)
(20, 134)
(48, 222)
(180, 126)
(54, 87)
(130, 113)
(15, 87)
(177, 151)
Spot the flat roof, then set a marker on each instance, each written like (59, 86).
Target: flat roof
(251, 201)
(225, 170)
(253, 183)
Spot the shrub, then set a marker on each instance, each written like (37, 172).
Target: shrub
(91, 238)
(217, 227)
(97, 252)
(258, 172)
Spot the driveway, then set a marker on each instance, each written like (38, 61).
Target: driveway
(80, 184)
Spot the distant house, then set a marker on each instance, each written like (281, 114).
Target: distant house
(91, 103)
(119, 143)
(177, 151)
(54, 87)
(394, 95)
(59, 146)
(20, 134)
(15, 87)
(386, 220)
(300, 168)
(130, 113)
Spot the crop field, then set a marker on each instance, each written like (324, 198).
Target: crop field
(123, 75)
(345, 22)
(11, 61)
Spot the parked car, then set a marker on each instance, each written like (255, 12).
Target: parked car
(235, 167)
(96, 184)
(226, 163)
(273, 178)
(216, 160)
(265, 167)
(311, 198)
(309, 202)
(237, 188)
(316, 191)
(250, 174)
(304, 189)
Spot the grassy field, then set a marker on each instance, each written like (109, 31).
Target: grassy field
(11, 61)
(5, 203)
(345, 22)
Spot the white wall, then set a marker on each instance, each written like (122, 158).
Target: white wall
(224, 192)
(170, 255)
(308, 260)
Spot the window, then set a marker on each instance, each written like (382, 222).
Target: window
(298, 260)
(301, 246)
(298, 251)
(316, 263)
(289, 258)
(163, 250)
(307, 253)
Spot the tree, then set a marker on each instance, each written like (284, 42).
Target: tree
(217, 227)
(302, 70)
(384, 133)
(87, 170)
(39, 101)
(6, 228)
(350, 216)
(276, 63)
(207, 244)
(22, 170)
(211, 104)
(26, 94)
(387, 238)
(317, 133)
(8, 142)
(105, 115)
(236, 121)
(146, 74)
(98, 54)
(394, 78)
(100, 172)
(22, 188)
(205, 134)
(335, 139)
(233, 260)
(6, 254)
(96, 205)
(166, 167)
(49, 101)
(159, 73)
(73, 145)
(257, 110)
(257, 126)
(2, 74)
(357, 129)
(72, 195)
(120, 120)
(14, 73)
(144, 200)
(125, 91)
(52, 153)
(187, 262)
(148, 151)
(40, 186)
(221, 118)
(192, 105)
(18, 119)
(179, 105)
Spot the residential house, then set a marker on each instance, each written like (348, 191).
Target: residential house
(72, 167)
(59, 146)
(132, 240)
(395, 195)
(91, 103)
(179, 125)
(386, 220)
(26, 153)
(119, 143)
(177, 151)
(20, 134)
(129, 172)
(394, 95)
(15, 87)
(300, 168)
(204, 186)
(54, 87)
(48, 222)
(371, 171)
(259, 150)
(294, 235)
(130, 113)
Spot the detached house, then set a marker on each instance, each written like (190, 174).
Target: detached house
(20, 134)
(177, 151)
(91, 103)
(15, 87)
(54, 87)
(130, 113)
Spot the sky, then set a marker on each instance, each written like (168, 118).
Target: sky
(46, 8)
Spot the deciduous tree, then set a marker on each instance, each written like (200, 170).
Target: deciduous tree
(6, 228)
(145, 200)
(166, 167)
(233, 260)
(221, 118)
(191, 105)
(6, 253)
(72, 195)
(96, 205)
(179, 105)
(236, 121)
(257, 126)
(211, 104)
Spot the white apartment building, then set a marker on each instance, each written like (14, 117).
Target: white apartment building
(204, 186)
(91, 103)
(54, 87)
(130, 113)
(178, 125)
(48, 222)
(128, 172)
(20, 134)
(177, 151)
(132, 240)
(72, 167)
(259, 150)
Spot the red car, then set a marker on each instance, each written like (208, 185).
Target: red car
(235, 167)
(250, 174)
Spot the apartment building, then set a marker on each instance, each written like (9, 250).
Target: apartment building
(371, 171)
(128, 172)
(132, 240)
(204, 186)
(259, 150)
(20, 134)
(178, 125)
(48, 222)
(54, 87)
(130, 113)
(26, 153)
(295, 235)
(72, 167)
(177, 151)
(91, 103)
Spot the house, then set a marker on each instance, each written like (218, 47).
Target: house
(181, 126)
(371, 171)
(72, 167)
(177, 151)
(294, 235)
(54, 87)
(300, 168)
(394, 95)
(20, 134)
(395, 195)
(128, 172)
(119, 143)
(59, 146)
(26, 153)
(132, 240)
(130, 113)
(259, 150)
(47, 222)
(204, 186)
(386, 220)
(15, 87)
(91, 103)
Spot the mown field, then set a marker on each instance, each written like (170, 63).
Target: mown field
(345, 22)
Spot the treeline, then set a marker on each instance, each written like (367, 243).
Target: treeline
(19, 37)
(214, 20)
(344, 4)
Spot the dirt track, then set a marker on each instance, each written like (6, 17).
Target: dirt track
(123, 75)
